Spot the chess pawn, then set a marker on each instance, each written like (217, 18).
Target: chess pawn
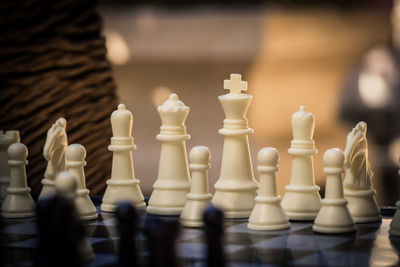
(75, 160)
(267, 213)
(122, 186)
(357, 182)
(18, 202)
(236, 187)
(199, 198)
(395, 223)
(173, 182)
(67, 185)
(6, 139)
(334, 216)
(54, 153)
(302, 200)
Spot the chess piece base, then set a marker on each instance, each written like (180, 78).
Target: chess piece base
(235, 204)
(362, 205)
(86, 209)
(122, 190)
(18, 204)
(161, 202)
(301, 203)
(268, 215)
(334, 217)
(192, 213)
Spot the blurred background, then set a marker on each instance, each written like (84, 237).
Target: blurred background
(340, 58)
(291, 54)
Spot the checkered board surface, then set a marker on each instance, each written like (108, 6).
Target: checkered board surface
(297, 246)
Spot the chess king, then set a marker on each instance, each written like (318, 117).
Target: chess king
(236, 187)
(54, 153)
(357, 182)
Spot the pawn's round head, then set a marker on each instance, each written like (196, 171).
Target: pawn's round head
(66, 184)
(17, 151)
(200, 155)
(334, 158)
(75, 152)
(268, 156)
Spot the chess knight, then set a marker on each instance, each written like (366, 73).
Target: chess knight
(54, 153)
(357, 182)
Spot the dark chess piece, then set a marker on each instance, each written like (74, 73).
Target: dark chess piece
(128, 229)
(162, 234)
(60, 232)
(62, 241)
(214, 229)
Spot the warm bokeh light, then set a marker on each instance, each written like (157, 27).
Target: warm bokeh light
(373, 89)
(159, 95)
(117, 49)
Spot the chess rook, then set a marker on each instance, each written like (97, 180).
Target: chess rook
(199, 197)
(268, 214)
(334, 216)
(18, 202)
(236, 187)
(173, 182)
(6, 139)
(357, 182)
(122, 186)
(75, 160)
(54, 153)
(395, 223)
(302, 200)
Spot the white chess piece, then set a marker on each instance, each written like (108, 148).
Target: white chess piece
(54, 153)
(66, 184)
(236, 187)
(6, 139)
(199, 197)
(302, 200)
(395, 223)
(18, 202)
(357, 182)
(173, 181)
(267, 213)
(122, 186)
(334, 216)
(75, 160)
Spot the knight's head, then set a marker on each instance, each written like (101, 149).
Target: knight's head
(355, 141)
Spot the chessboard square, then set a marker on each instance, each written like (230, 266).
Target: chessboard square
(101, 231)
(31, 243)
(17, 256)
(334, 258)
(302, 229)
(105, 222)
(106, 246)
(188, 234)
(242, 228)
(27, 228)
(95, 240)
(198, 251)
(8, 239)
(251, 264)
(104, 259)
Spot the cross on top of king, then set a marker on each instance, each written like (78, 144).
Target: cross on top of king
(235, 85)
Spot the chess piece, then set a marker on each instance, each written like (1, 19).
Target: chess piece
(18, 202)
(61, 234)
(75, 160)
(54, 153)
(199, 198)
(334, 216)
(173, 182)
(162, 234)
(395, 223)
(268, 213)
(6, 139)
(357, 182)
(128, 228)
(123, 186)
(214, 222)
(302, 200)
(236, 188)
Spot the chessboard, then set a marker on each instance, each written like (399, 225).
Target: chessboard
(297, 246)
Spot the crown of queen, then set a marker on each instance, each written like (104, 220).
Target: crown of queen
(303, 124)
(121, 122)
(173, 112)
